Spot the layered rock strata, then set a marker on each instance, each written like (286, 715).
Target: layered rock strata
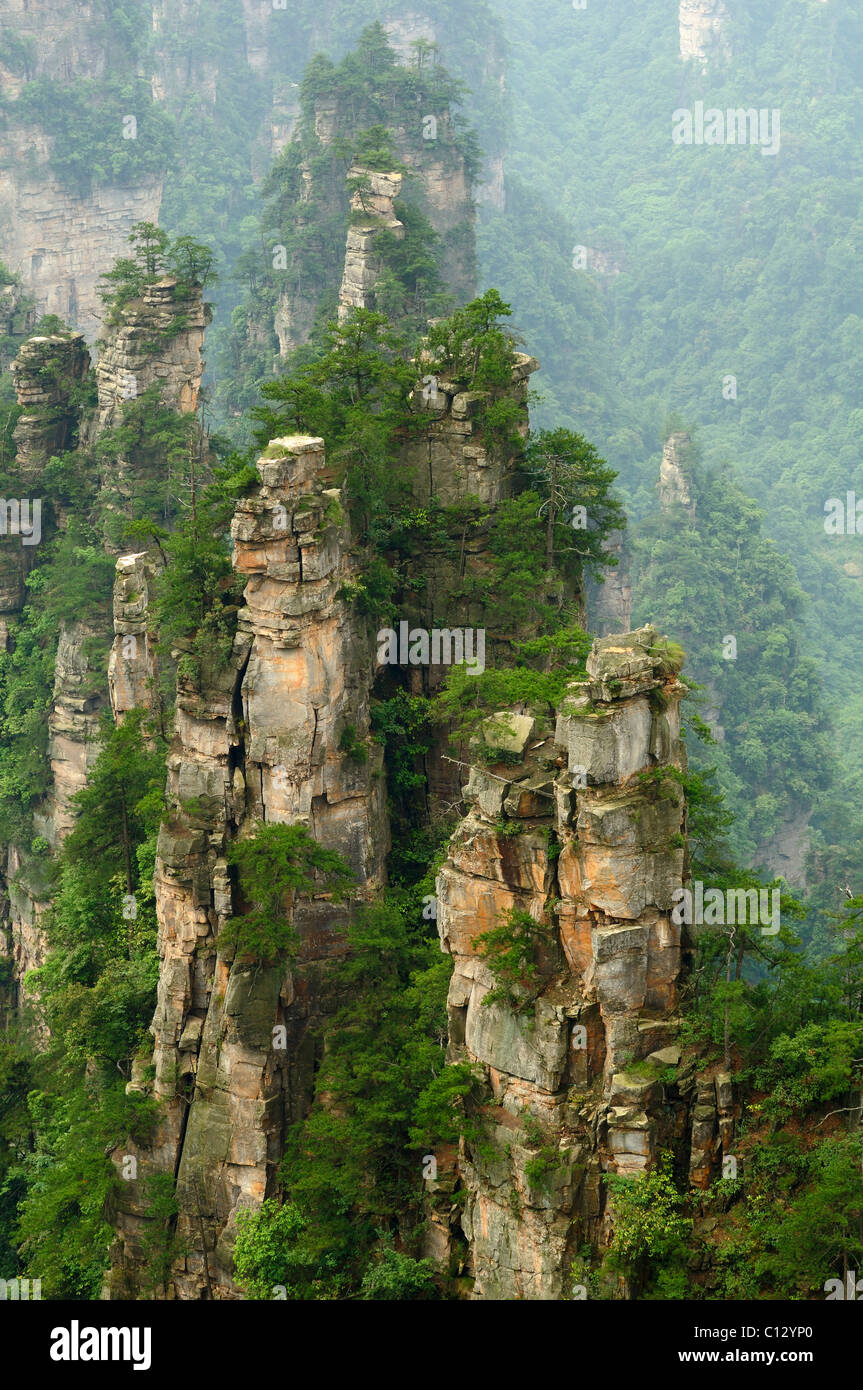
(158, 342)
(451, 460)
(132, 663)
(371, 211)
(46, 373)
(262, 741)
(582, 827)
(61, 242)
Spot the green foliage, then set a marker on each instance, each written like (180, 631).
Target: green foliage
(377, 108)
(821, 1237)
(98, 984)
(26, 689)
(278, 863)
(197, 592)
(160, 1246)
(356, 396)
(155, 255)
(650, 1229)
(652, 326)
(518, 590)
(63, 1235)
(96, 992)
(402, 723)
(510, 949)
(713, 575)
(87, 120)
(569, 473)
(471, 348)
(821, 1062)
(467, 700)
(396, 1276)
(352, 1170)
(795, 1222)
(270, 1252)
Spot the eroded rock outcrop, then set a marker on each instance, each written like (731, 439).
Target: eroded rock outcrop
(371, 211)
(132, 663)
(260, 740)
(46, 373)
(582, 827)
(436, 180)
(674, 479)
(158, 341)
(703, 30)
(452, 460)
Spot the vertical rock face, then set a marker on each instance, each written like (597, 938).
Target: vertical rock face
(159, 339)
(703, 30)
(46, 372)
(451, 461)
(580, 827)
(60, 41)
(62, 270)
(132, 664)
(609, 604)
(59, 242)
(407, 28)
(371, 211)
(73, 726)
(158, 342)
(674, 488)
(261, 742)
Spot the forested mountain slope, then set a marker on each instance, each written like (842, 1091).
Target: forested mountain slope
(722, 285)
(342, 869)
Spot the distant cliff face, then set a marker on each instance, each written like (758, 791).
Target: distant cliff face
(436, 180)
(55, 37)
(609, 604)
(674, 482)
(59, 241)
(703, 30)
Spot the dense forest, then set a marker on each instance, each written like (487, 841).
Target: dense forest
(576, 353)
